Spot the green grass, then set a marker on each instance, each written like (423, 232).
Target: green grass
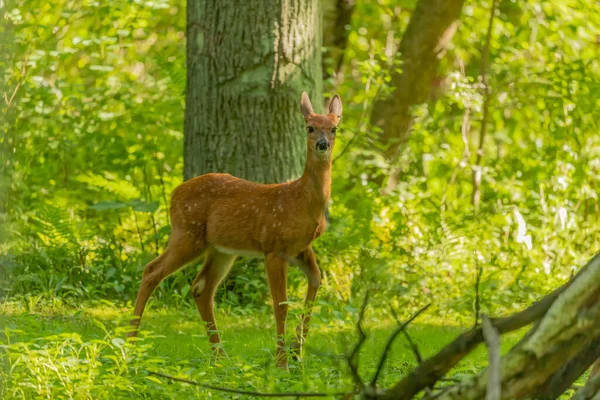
(45, 359)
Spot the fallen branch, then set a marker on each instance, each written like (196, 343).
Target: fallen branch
(591, 391)
(248, 392)
(432, 369)
(568, 327)
(569, 372)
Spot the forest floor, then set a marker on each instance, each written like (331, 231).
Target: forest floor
(73, 347)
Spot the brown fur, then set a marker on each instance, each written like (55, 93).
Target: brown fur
(222, 214)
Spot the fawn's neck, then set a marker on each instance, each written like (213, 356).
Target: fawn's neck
(317, 181)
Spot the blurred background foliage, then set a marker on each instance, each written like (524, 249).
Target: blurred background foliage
(92, 139)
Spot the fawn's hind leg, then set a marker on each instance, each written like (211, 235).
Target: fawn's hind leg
(180, 251)
(216, 267)
(313, 275)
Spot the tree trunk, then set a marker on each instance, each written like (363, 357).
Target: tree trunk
(337, 14)
(247, 65)
(431, 27)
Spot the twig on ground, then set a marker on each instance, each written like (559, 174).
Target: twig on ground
(352, 358)
(390, 341)
(492, 340)
(247, 392)
(413, 346)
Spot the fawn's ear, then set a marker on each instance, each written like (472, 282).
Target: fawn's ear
(335, 106)
(305, 106)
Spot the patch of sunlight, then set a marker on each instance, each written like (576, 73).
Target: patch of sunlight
(181, 326)
(11, 308)
(105, 312)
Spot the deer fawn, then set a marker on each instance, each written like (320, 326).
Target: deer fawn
(227, 216)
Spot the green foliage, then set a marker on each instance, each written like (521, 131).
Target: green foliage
(41, 356)
(539, 172)
(92, 137)
(91, 146)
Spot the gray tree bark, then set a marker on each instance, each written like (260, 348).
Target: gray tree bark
(431, 27)
(247, 65)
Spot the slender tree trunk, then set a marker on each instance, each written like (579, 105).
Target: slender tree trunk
(483, 72)
(431, 27)
(247, 65)
(337, 15)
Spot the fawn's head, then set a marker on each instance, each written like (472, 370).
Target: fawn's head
(320, 128)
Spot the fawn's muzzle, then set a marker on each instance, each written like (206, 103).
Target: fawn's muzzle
(322, 145)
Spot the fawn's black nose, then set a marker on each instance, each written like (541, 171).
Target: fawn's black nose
(322, 145)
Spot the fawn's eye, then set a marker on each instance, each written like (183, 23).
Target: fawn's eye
(310, 129)
(334, 130)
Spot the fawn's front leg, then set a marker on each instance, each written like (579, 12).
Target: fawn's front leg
(277, 274)
(313, 275)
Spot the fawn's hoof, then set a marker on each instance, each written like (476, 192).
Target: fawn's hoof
(281, 360)
(283, 365)
(219, 352)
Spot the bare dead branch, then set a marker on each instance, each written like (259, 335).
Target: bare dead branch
(413, 346)
(570, 324)
(353, 357)
(492, 339)
(248, 392)
(390, 341)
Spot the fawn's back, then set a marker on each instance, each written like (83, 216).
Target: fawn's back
(245, 218)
